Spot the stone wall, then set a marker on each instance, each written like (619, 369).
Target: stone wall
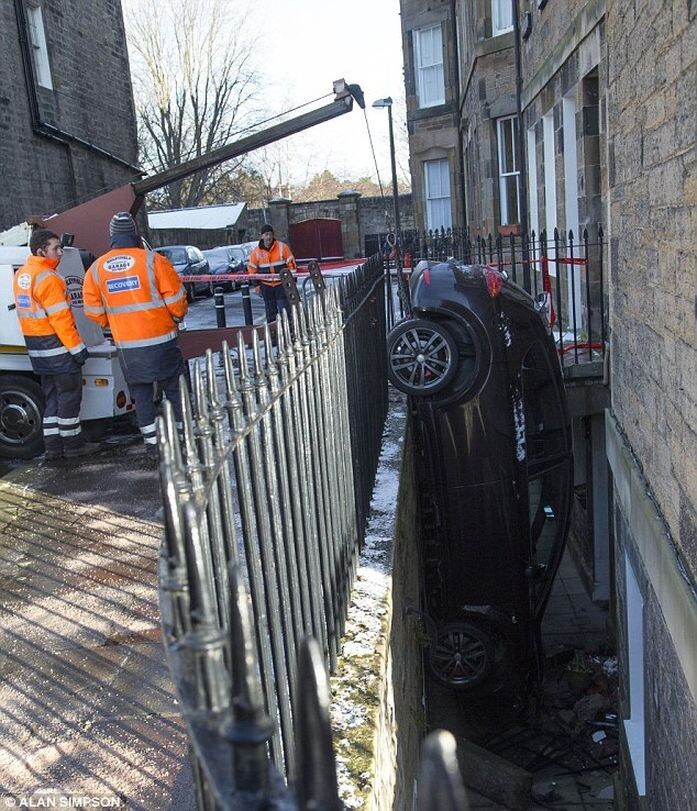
(91, 98)
(377, 708)
(652, 120)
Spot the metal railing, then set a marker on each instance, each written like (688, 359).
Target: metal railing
(270, 485)
(567, 270)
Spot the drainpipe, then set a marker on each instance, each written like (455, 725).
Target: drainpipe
(460, 154)
(40, 127)
(520, 152)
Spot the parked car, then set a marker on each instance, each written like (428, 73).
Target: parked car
(495, 474)
(223, 260)
(188, 261)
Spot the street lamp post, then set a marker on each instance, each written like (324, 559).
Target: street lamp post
(387, 102)
(401, 281)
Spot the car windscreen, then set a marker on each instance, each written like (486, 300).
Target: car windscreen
(237, 253)
(177, 256)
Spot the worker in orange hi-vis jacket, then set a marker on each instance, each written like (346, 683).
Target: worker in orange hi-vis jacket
(138, 294)
(55, 348)
(271, 256)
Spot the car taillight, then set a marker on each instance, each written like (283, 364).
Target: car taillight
(121, 399)
(494, 281)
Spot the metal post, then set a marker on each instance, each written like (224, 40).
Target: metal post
(247, 305)
(219, 307)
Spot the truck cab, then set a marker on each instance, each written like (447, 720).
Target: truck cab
(105, 393)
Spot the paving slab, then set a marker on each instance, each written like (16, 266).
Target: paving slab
(87, 707)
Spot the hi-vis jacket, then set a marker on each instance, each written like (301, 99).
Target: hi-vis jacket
(272, 261)
(42, 304)
(140, 297)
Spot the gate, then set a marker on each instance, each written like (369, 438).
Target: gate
(317, 239)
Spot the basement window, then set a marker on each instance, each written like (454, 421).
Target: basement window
(37, 44)
(634, 725)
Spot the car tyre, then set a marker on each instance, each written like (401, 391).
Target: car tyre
(21, 416)
(421, 357)
(189, 288)
(462, 655)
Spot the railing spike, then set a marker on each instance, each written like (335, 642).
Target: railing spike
(315, 779)
(440, 785)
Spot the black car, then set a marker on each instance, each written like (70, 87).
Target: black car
(224, 260)
(188, 261)
(495, 473)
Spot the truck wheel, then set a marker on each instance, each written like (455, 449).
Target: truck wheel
(21, 415)
(421, 357)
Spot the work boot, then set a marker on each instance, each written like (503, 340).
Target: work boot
(53, 456)
(88, 449)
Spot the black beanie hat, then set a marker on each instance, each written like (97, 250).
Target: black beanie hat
(265, 229)
(122, 223)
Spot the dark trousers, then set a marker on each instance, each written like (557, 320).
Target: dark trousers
(61, 423)
(148, 397)
(275, 300)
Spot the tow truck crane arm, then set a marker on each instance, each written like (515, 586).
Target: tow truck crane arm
(88, 221)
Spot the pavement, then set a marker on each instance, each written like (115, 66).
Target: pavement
(87, 708)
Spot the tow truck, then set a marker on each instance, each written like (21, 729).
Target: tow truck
(105, 393)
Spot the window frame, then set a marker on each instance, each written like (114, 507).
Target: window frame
(429, 200)
(417, 35)
(36, 35)
(504, 218)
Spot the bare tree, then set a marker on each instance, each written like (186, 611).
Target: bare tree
(194, 86)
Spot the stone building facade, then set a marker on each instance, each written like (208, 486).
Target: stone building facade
(67, 120)
(651, 113)
(609, 134)
(431, 81)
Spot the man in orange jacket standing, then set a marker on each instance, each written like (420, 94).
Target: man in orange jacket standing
(138, 294)
(271, 256)
(55, 348)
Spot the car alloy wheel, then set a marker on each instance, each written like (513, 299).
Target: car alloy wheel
(422, 357)
(461, 655)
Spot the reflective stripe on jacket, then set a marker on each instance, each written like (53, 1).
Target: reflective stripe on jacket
(42, 305)
(137, 294)
(274, 260)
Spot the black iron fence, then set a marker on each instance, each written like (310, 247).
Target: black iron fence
(566, 271)
(272, 478)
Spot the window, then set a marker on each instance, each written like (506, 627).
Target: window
(509, 172)
(428, 66)
(634, 725)
(437, 185)
(550, 178)
(501, 17)
(532, 183)
(37, 44)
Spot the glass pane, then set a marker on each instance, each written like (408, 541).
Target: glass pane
(502, 15)
(511, 188)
